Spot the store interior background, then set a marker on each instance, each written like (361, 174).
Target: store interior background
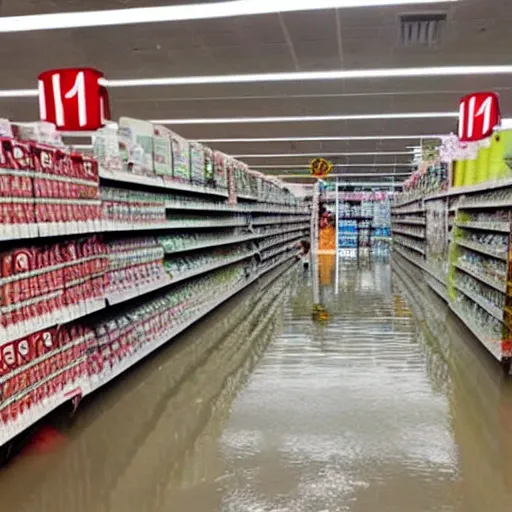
(207, 433)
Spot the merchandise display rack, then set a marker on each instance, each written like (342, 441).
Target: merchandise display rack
(85, 297)
(363, 218)
(461, 241)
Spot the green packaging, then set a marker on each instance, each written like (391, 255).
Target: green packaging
(180, 158)
(197, 171)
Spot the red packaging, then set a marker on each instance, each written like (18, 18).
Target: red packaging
(15, 154)
(43, 342)
(24, 351)
(8, 355)
(43, 158)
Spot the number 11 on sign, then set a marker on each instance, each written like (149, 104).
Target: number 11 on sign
(479, 114)
(73, 99)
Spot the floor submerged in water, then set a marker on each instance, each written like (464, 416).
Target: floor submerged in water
(385, 404)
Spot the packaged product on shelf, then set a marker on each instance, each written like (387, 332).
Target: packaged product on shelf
(134, 264)
(50, 284)
(197, 163)
(220, 169)
(180, 158)
(106, 148)
(136, 145)
(209, 173)
(162, 152)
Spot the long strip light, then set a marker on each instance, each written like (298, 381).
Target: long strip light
(291, 167)
(185, 12)
(317, 153)
(301, 119)
(325, 138)
(343, 74)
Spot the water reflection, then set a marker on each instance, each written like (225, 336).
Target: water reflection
(389, 405)
(133, 446)
(480, 399)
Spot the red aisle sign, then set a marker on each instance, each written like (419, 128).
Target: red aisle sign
(479, 114)
(73, 99)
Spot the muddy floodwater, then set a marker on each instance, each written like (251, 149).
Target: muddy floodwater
(384, 404)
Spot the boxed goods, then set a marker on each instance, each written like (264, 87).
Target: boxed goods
(197, 163)
(180, 158)
(162, 153)
(209, 173)
(136, 145)
(220, 169)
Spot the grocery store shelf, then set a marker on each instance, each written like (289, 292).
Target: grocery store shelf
(477, 299)
(160, 182)
(167, 280)
(287, 239)
(416, 262)
(410, 246)
(283, 231)
(438, 287)
(501, 227)
(214, 243)
(226, 208)
(493, 283)
(408, 211)
(414, 235)
(492, 205)
(182, 276)
(262, 222)
(58, 317)
(21, 231)
(405, 203)
(175, 330)
(59, 229)
(482, 248)
(137, 291)
(39, 410)
(439, 277)
(275, 252)
(82, 387)
(413, 222)
(471, 189)
(493, 346)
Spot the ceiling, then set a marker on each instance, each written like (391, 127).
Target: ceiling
(477, 32)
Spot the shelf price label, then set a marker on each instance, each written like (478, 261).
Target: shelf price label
(320, 167)
(73, 99)
(479, 114)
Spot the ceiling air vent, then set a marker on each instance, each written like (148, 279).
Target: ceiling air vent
(421, 29)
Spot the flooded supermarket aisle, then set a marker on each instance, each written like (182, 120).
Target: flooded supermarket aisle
(377, 400)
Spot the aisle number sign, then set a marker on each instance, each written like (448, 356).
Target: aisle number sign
(479, 114)
(73, 99)
(320, 167)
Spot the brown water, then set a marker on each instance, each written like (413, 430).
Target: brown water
(390, 405)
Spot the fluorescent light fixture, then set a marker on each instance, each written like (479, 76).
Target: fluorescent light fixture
(344, 74)
(321, 154)
(302, 119)
(19, 93)
(325, 138)
(185, 12)
(291, 167)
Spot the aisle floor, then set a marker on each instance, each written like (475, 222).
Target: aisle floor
(387, 405)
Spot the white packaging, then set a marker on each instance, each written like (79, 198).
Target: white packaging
(162, 153)
(136, 145)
